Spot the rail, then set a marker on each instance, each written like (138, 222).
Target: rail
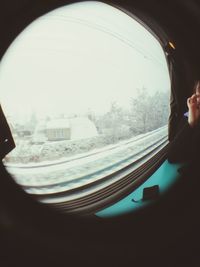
(89, 170)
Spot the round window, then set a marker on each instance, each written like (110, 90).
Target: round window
(81, 88)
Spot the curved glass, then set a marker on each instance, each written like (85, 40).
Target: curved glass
(80, 86)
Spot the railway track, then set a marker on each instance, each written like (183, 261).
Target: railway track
(67, 175)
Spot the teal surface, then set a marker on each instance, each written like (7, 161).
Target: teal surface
(164, 176)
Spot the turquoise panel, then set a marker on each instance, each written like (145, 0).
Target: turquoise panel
(164, 176)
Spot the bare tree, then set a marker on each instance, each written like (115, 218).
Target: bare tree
(148, 112)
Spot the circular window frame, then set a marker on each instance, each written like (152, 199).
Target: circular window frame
(22, 217)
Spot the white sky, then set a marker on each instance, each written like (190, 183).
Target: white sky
(79, 57)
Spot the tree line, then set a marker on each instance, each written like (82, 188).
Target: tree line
(145, 113)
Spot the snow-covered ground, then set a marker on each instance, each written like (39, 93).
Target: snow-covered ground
(49, 177)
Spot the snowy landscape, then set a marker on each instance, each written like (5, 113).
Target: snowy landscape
(75, 172)
(33, 146)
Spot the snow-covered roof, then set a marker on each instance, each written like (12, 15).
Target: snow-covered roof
(58, 124)
(80, 127)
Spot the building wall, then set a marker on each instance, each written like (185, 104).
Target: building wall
(58, 134)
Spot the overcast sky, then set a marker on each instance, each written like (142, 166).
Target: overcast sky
(79, 57)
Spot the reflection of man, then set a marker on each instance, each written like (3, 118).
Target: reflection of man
(6, 140)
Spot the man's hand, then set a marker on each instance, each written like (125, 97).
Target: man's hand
(193, 104)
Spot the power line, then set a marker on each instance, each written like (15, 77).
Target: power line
(126, 41)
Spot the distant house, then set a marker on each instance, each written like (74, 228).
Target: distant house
(58, 130)
(19, 129)
(66, 129)
(22, 131)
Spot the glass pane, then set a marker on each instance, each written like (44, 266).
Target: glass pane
(79, 86)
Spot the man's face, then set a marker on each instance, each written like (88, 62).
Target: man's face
(198, 93)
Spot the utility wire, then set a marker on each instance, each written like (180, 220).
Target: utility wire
(123, 39)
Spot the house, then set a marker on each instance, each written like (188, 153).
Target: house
(65, 129)
(58, 129)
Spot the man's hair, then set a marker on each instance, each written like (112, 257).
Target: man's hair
(196, 86)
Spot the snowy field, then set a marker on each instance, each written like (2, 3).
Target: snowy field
(69, 173)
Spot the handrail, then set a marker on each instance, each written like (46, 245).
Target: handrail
(106, 176)
(98, 199)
